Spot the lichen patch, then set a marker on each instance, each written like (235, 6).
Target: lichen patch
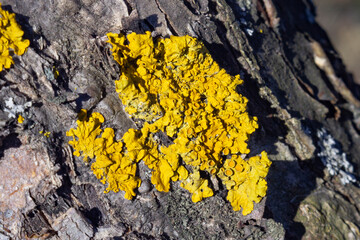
(175, 87)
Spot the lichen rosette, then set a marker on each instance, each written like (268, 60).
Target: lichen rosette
(174, 86)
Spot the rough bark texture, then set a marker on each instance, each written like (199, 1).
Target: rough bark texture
(295, 83)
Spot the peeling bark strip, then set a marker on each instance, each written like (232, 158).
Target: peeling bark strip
(271, 13)
(296, 85)
(322, 61)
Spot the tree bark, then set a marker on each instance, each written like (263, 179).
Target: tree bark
(308, 108)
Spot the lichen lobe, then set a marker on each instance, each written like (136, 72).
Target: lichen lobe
(11, 39)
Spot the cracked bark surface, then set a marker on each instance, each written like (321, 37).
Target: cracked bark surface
(295, 82)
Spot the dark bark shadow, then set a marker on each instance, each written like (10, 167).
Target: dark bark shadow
(10, 141)
(290, 182)
(83, 97)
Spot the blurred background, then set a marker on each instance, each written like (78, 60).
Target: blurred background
(341, 20)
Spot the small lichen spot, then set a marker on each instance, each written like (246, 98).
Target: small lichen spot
(20, 119)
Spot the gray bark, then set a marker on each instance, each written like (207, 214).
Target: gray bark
(307, 104)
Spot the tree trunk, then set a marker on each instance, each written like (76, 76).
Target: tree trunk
(307, 105)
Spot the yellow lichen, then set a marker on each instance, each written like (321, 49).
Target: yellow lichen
(175, 87)
(11, 40)
(197, 186)
(56, 73)
(46, 134)
(118, 171)
(245, 180)
(87, 134)
(111, 166)
(20, 119)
